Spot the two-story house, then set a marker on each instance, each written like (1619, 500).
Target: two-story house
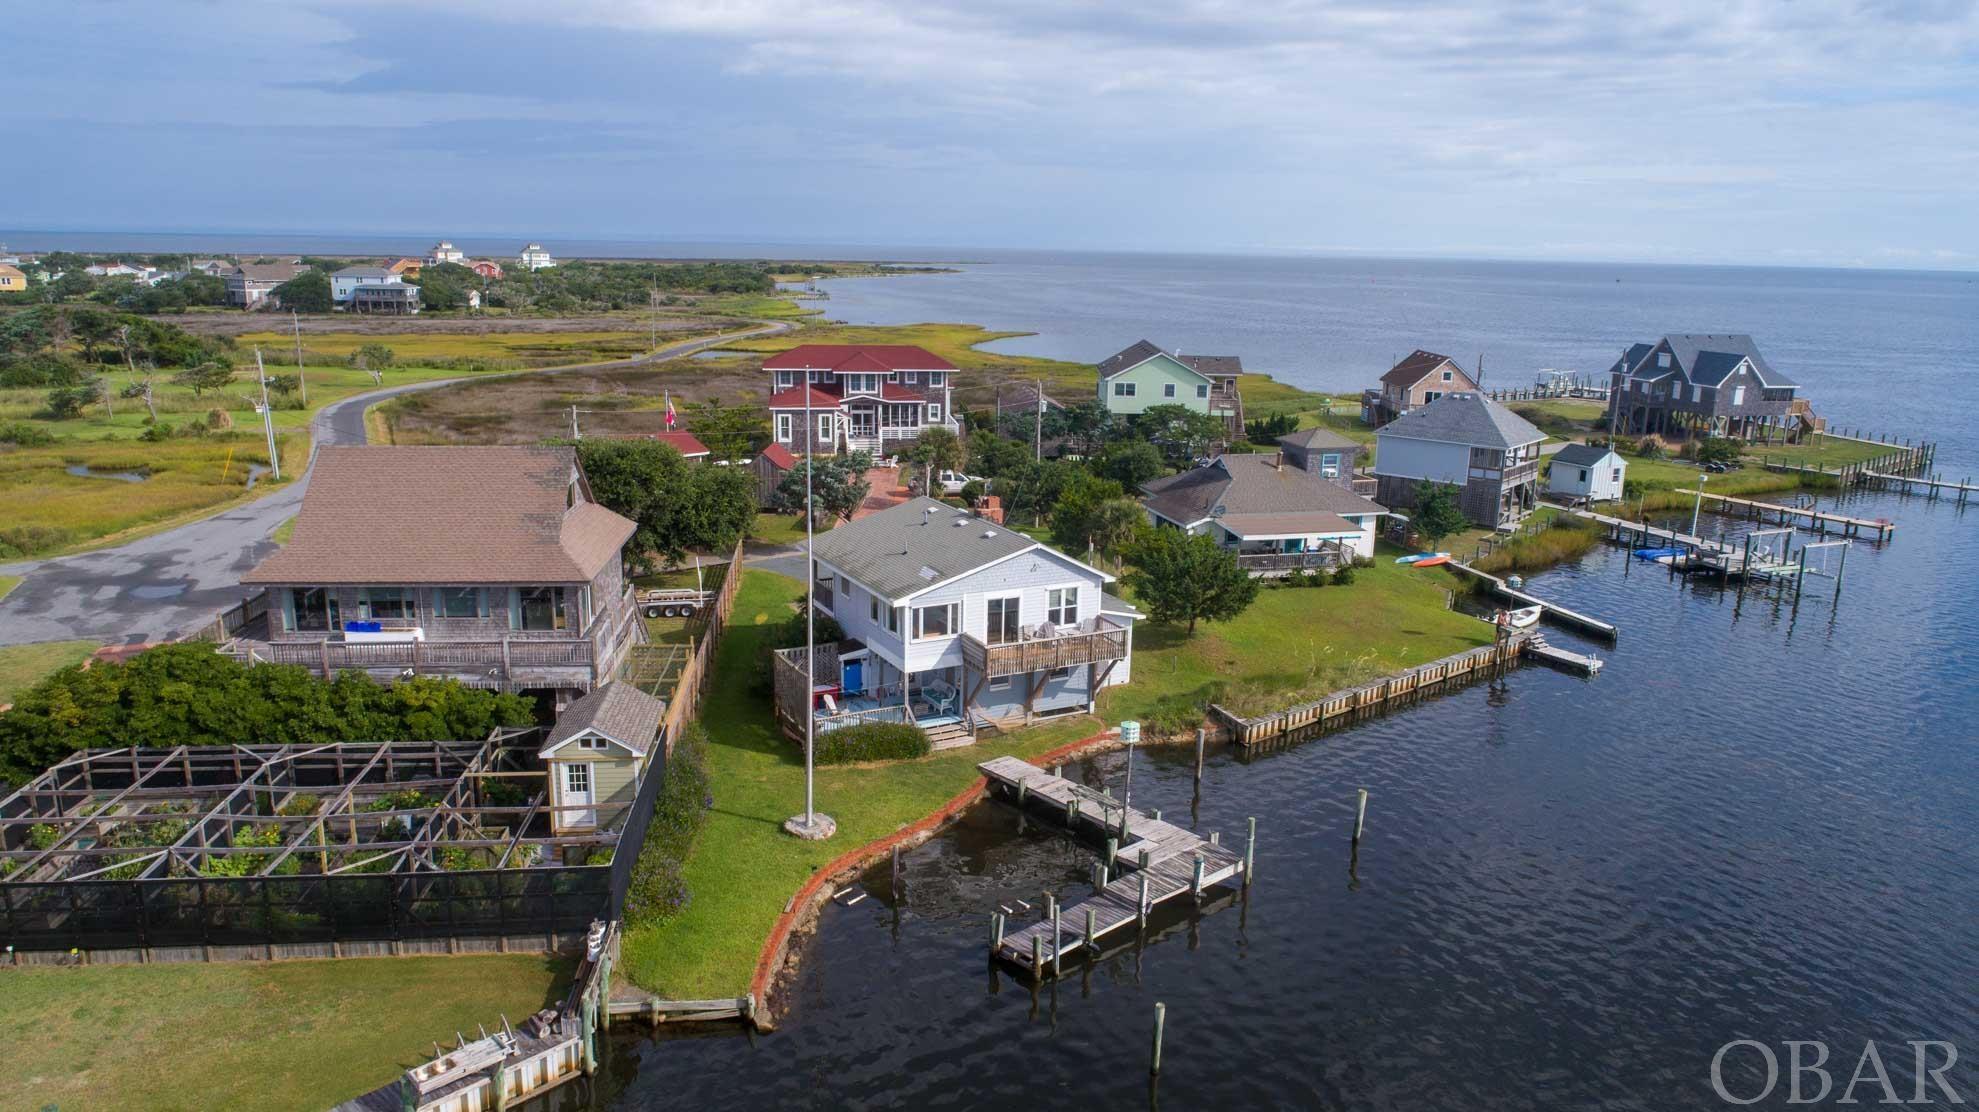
(344, 283)
(535, 256)
(1467, 441)
(1700, 384)
(445, 252)
(490, 565)
(1278, 517)
(858, 397)
(1141, 376)
(1420, 378)
(956, 623)
(1327, 454)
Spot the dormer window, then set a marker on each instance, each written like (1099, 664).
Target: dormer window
(1663, 359)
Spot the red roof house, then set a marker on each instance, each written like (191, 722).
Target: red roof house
(860, 397)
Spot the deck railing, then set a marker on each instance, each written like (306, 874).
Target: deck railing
(1261, 562)
(1092, 643)
(438, 656)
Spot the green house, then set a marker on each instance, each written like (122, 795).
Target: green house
(1143, 376)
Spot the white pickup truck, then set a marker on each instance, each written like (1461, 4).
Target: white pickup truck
(952, 482)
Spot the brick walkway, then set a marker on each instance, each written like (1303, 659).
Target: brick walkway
(886, 493)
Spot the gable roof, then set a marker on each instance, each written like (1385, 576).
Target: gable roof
(1223, 366)
(1319, 436)
(445, 515)
(617, 711)
(1583, 455)
(1139, 352)
(1251, 483)
(1705, 358)
(857, 358)
(686, 443)
(268, 272)
(1289, 523)
(916, 545)
(1414, 366)
(779, 457)
(1463, 418)
(364, 272)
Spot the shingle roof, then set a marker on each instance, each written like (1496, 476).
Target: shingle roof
(1413, 366)
(1307, 522)
(686, 443)
(822, 397)
(445, 515)
(916, 545)
(364, 272)
(1133, 355)
(268, 272)
(1214, 365)
(1249, 484)
(855, 357)
(1318, 436)
(618, 711)
(1704, 358)
(1583, 455)
(779, 457)
(1464, 418)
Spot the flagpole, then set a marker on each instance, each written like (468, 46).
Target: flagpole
(810, 825)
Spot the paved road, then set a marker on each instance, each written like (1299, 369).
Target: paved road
(172, 582)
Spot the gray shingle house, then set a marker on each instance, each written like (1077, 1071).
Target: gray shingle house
(1595, 472)
(1464, 440)
(1278, 518)
(954, 622)
(1325, 453)
(1702, 384)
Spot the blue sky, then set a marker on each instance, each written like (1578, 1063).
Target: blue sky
(1813, 132)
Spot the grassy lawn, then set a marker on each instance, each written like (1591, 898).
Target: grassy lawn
(1565, 418)
(744, 867)
(283, 532)
(1294, 644)
(294, 1035)
(515, 349)
(23, 666)
(8, 583)
(778, 529)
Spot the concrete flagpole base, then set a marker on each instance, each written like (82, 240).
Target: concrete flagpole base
(819, 828)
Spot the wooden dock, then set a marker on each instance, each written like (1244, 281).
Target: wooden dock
(1551, 611)
(1700, 553)
(1580, 664)
(1881, 529)
(1932, 487)
(1156, 863)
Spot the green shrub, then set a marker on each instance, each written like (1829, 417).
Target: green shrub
(872, 741)
(23, 435)
(1343, 575)
(656, 891)
(1719, 449)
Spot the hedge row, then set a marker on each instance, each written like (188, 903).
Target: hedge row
(871, 741)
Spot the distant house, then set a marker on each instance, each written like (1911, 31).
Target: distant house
(1417, 380)
(249, 284)
(1467, 441)
(1277, 517)
(490, 565)
(535, 257)
(408, 267)
(116, 270)
(771, 465)
(445, 252)
(12, 279)
(212, 268)
(396, 299)
(344, 283)
(600, 751)
(686, 443)
(1325, 453)
(863, 397)
(1590, 471)
(1142, 376)
(953, 622)
(486, 268)
(1703, 385)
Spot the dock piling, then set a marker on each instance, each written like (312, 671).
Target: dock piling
(1143, 903)
(996, 931)
(1092, 933)
(1160, 1020)
(1112, 852)
(1057, 935)
(1360, 816)
(1250, 851)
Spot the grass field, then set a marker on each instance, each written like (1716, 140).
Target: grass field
(778, 529)
(516, 349)
(23, 666)
(293, 1035)
(8, 583)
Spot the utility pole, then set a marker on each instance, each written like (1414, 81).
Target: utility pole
(301, 378)
(653, 343)
(1037, 385)
(267, 417)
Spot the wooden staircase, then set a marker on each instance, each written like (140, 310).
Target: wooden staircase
(951, 735)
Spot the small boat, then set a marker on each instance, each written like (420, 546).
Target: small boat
(1432, 560)
(1421, 557)
(1522, 617)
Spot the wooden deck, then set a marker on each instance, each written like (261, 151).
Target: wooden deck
(1819, 520)
(1580, 664)
(1552, 611)
(1157, 862)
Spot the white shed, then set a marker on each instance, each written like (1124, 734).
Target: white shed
(1591, 471)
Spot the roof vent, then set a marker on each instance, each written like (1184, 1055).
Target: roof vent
(988, 533)
(929, 573)
(960, 521)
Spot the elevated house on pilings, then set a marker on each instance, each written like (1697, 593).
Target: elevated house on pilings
(1699, 384)
(954, 623)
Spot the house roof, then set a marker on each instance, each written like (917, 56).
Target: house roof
(618, 711)
(268, 272)
(686, 443)
(822, 397)
(1114, 604)
(445, 515)
(1250, 483)
(1583, 455)
(12, 271)
(1318, 436)
(1133, 355)
(1413, 366)
(1304, 523)
(1215, 366)
(915, 545)
(857, 357)
(364, 272)
(1704, 358)
(1022, 398)
(1464, 418)
(779, 457)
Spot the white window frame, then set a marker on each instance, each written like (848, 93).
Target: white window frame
(1738, 394)
(825, 428)
(785, 427)
(595, 744)
(999, 683)
(1167, 389)
(1449, 377)
(1662, 359)
(1329, 464)
(1202, 390)
(954, 613)
(1007, 596)
(1123, 389)
(479, 597)
(1064, 673)
(1696, 392)
(1059, 605)
(934, 413)
(786, 380)
(573, 771)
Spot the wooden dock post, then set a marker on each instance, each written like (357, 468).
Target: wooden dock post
(1037, 957)
(1092, 932)
(1099, 877)
(1202, 743)
(1142, 906)
(896, 873)
(1196, 883)
(1057, 936)
(996, 931)
(1160, 1021)
(1250, 851)
(1023, 789)
(1112, 852)
(1071, 811)
(1360, 816)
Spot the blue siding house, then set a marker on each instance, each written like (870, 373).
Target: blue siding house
(956, 623)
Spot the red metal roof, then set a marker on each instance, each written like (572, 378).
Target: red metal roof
(685, 442)
(780, 456)
(822, 397)
(858, 357)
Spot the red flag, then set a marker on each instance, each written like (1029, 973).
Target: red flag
(669, 409)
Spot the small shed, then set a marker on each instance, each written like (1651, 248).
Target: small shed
(1591, 471)
(600, 750)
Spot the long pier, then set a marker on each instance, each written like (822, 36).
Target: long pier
(1932, 487)
(1552, 611)
(1882, 529)
(1151, 862)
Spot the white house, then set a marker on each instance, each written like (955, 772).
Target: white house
(954, 622)
(535, 257)
(345, 282)
(445, 252)
(116, 270)
(601, 749)
(1590, 471)
(1278, 517)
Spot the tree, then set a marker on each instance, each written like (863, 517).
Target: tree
(1436, 513)
(1181, 432)
(447, 286)
(1086, 426)
(838, 486)
(1072, 511)
(91, 328)
(308, 292)
(937, 449)
(677, 505)
(995, 456)
(142, 389)
(206, 376)
(1131, 463)
(69, 401)
(371, 357)
(1116, 526)
(1183, 578)
(727, 430)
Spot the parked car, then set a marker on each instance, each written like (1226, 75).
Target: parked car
(952, 482)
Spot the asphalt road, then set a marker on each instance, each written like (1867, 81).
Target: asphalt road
(170, 583)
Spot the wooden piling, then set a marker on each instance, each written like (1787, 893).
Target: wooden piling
(1250, 851)
(1092, 933)
(996, 931)
(1142, 906)
(1160, 1020)
(1360, 815)
(1057, 936)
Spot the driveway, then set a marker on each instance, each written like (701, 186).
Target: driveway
(170, 583)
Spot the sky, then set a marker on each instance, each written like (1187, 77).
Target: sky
(1776, 132)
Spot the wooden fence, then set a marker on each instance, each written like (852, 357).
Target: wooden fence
(228, 623)
(700, 658)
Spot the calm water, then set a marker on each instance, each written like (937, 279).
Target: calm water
(1762, 821)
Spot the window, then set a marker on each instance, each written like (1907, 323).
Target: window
(999, 683)
(824, 428)
(1638, 386)
(1058, 675)
(785, 380)
(539, 608)
(873, 609)
(593, 743)
(1123, 389)
(457, 602)
(1003, 616)
(934, 412)
(1662, 359)
(1738, 394)
(1583, 474)
(783, 428)
(313, 608)
(577, 779)
(935, 621)
(1617, 476)
(570, 495)
(1447, 376)
(906, 376)
(1329, 464)
(1202, 390)
(1062, 606)
(1696, 392)
(1167, 389)
(1430, 396)
(387, 602)
(893, 619)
